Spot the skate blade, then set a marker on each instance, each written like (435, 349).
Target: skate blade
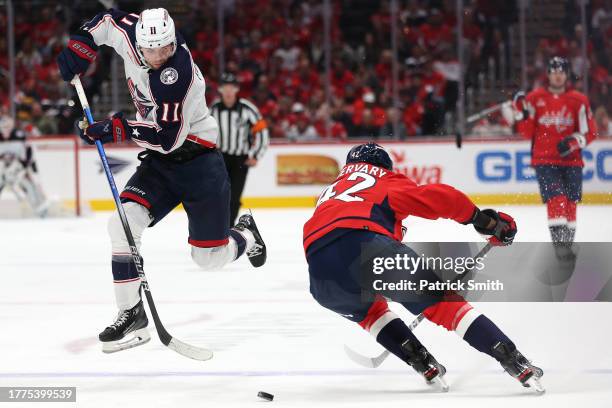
(138, 338)
(440, 382)
(534, 382)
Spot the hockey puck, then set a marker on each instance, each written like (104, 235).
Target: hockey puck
(265, 395)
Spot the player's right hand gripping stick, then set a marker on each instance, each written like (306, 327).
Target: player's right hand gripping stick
(500, 226)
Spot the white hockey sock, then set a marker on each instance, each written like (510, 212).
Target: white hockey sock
(126, 282)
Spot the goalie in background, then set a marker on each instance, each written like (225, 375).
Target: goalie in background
(18, 170)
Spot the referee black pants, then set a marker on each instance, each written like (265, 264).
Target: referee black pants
(237, 171)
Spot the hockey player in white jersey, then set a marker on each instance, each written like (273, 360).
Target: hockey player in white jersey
(180, 163)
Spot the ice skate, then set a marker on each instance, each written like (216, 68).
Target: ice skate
(129, 330)
(515, 364)
(257, 253)
(417, 356)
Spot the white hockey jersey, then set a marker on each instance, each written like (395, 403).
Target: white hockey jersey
(170, 103)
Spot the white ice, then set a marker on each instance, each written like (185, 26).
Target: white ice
(267, 333)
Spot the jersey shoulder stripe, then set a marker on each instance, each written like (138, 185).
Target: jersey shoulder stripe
(249, 105)
(123, 22)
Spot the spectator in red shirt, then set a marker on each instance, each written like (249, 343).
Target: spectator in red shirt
(204, 51)
(305, 79)
(381, 21)
(367, 129)
(4, 62)
(431, 82)
(46, 27)
(383, 68)
(340, 76)
(414, 111)
(301, 128)
(336, 129)
(435, 33)
(27, 59)
(368, 101)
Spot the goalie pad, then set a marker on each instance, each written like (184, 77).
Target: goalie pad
(22, 181)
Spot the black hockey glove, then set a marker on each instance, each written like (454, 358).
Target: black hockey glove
(76, 57)
(501, 231)
(112, 130)
(570, 144)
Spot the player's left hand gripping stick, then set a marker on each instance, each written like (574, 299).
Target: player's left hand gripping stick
(196, 353)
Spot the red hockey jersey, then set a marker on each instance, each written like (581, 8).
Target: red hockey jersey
(552, 118)
(372, 198)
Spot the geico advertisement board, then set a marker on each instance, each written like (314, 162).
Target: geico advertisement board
(289, 170)
(476, 168)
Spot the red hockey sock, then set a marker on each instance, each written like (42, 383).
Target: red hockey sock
(378, 316)
(570, 213)
(447, 314)
(557, 210)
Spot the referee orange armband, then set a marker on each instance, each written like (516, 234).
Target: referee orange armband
(259, 126)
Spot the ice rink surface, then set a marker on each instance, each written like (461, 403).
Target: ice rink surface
(267, 333)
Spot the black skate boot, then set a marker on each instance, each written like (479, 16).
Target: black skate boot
(129, 330)
(257, 253)
(563, 239)
(515, 364)
(417, 356)
(565, 254)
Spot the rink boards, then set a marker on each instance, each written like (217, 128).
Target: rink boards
(292, 175)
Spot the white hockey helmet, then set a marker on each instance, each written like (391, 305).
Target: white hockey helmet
(155, 28)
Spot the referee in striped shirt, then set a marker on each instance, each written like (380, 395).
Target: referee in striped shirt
(243, 136)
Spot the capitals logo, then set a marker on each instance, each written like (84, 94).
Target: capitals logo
(143, 105)
(561, 120)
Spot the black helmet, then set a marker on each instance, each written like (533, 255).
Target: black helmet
(370, 153)
(558, 63)
(228, 78)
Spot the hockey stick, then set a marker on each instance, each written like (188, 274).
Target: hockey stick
(196, 353)
(520, 95)
(373, 362)
(486, 112)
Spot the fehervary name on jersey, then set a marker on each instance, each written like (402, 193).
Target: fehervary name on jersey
(363, 168)
(418, 174)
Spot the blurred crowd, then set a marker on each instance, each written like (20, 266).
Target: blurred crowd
(278, 54)
(277, 50)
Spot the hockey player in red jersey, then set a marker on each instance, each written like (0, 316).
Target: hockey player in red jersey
(365, 206)
(559, 123)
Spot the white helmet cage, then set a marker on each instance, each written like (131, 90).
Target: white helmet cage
(155, 28)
